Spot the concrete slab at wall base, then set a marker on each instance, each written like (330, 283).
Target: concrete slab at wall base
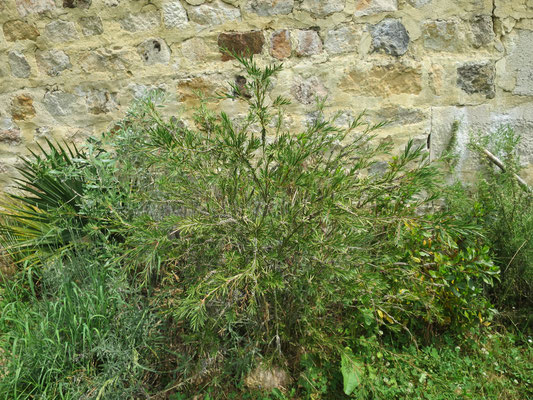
(71, 68)
(478, 120)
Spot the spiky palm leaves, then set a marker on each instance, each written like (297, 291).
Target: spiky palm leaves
(43, 214)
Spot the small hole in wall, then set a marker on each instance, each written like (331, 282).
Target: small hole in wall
(157, 45)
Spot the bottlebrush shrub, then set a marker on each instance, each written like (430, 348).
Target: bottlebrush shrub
(265, 242)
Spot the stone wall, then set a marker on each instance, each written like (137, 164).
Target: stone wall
(70, 68)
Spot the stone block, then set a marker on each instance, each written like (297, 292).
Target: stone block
(477, 77)
(519, 61)
(214, 13)
(280, 47)
(370, 7)
(91, 26)
(154, 51)
(19, 30)
(323, 8)
(245, 43)
(384, 80)
(61, 31)
(482, 30)
(306, 90)
(482, 120)
(22, 108)
(309, 43)
(26, 7)
(18, 64)
(10, 136)
(174, 15)
(98, 101)
(390, 36)
(103, 60)
(343, 39)
(267, 8)
(59, 103)
(442, 35)
(53, 62)
(141, 22)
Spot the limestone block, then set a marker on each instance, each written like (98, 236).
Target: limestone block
(91, 26)
(323, 8)
(477, 77)
(370, 7)
(59, 103)
(390, 36)
(103, 60)
(309, 43)
(384, 80)
(174, 15)
(18, 64)
(280, 47)
(141, 22)
(22, 108)
(26, 7)
(241, 43)
(343, 39)
(19, 30)
(442, 35)
(154, 51)
(480, 119)
(98, 101)
(307, 90)
(267, 8)
(214, 13)
(197, 50)
(53, 62)
(61, 31)
(519, 62)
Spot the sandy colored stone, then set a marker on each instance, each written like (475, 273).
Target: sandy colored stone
(442, 35)
(22, 108)
(384, 80)
(103, 60)
(19, 30)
